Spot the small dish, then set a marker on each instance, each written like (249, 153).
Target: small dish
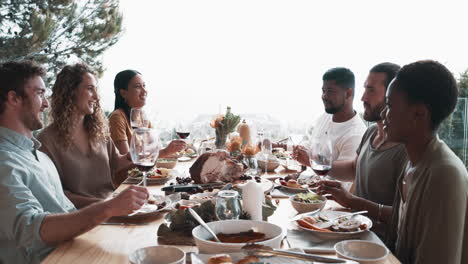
(157, 255)
(184, 204)
(203, 197)
(167, 163)
(271, 165)
(364, 252)
(302, 207)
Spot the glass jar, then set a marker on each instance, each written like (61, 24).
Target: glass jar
(228, 205)
(252, 166)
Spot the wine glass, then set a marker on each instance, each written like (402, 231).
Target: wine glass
(144, 149)
(290, 162)
(227, 205)
(266, 150)
(139, 118)
(321, 155)
(182, 131)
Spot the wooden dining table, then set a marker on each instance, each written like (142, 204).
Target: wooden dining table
(112, 244)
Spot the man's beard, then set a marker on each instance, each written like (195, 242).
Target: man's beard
(31, 121)
(334, 109)
(374, 114)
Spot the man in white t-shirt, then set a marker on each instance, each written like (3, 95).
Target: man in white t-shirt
(340, 123)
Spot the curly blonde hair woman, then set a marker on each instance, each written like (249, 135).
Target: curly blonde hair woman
(63, 107)
(78, 140)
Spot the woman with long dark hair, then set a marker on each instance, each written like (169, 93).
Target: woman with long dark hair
(130, 92)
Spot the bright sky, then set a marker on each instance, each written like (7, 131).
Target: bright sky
(269, 56)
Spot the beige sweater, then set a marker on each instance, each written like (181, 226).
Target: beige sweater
(434, 224)
(84, 174)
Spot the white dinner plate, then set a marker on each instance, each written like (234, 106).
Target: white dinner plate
(290, 189)
(336, 234)
(150, 209)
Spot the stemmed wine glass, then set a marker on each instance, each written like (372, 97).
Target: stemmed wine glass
(182, 131)
(290, 162)
(139, 118)
(144, 149)
(321, 155)
(266, 150)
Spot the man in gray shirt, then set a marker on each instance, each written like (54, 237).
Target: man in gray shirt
(35, 215)
(378, 163)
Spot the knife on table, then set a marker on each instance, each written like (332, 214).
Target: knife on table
(191, 187)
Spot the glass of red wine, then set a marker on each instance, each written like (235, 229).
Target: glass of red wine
(182, 131)
(321, 156)
(144, 149)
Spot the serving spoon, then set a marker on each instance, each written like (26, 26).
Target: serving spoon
(266, 251)
(200, 220)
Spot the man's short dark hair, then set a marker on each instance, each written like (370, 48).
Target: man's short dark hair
(430, 83)
(13, 77)
(343, 77)
(388, 68)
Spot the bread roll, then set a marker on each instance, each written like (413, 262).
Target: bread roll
(220, 259)
(248, 260)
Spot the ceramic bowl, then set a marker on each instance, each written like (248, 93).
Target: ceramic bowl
(307, 207)
(271, 165)
(206, 246)
(364, 252)
(157, 255)
(168, 163)
(203, 197)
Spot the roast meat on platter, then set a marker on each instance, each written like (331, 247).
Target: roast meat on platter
(216, 167)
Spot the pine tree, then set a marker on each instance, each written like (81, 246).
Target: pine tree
(57, 32)
(454, 129)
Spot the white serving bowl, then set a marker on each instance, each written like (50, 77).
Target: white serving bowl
(364, 252)
(201, 236)
(271, 165)
(167, 163)
(307, 207)
(157, 255)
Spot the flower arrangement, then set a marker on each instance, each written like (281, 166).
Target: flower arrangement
(223, 125)
(234, 145)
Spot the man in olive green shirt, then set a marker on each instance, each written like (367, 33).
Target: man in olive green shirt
(35, 215)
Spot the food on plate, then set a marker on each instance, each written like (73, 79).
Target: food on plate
(242, 237)
(220, 259)
(280, 153)
(351, 225)
(248, 260)
(183, 180)
(157, 200)
(343, 224)
(216, 167)
(204, 196)
(291, 184)
(189, 151)
(226, 259)
(309, 197)
(155, 173)
(292, 176)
